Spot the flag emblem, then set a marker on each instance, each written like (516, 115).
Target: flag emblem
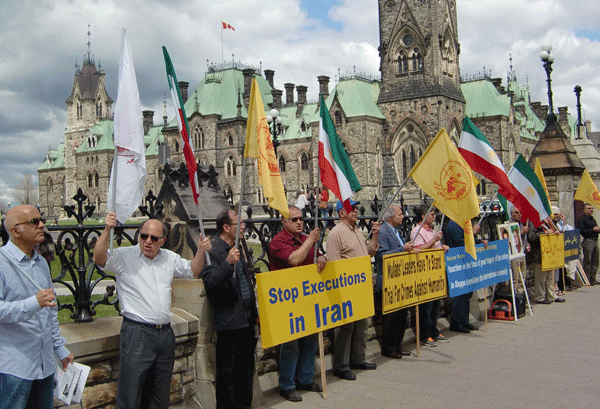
(492, 155)
(530, 192)
(455, 181)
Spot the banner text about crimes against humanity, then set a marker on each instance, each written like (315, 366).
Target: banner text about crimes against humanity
(300, 301)
(466, 274)
(413, 278)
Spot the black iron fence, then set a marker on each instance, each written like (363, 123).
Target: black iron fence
(74, 244)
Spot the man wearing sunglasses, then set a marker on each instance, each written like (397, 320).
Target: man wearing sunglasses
(346, 241)
(144, 275)
(29, 332)
(291, 247)
(230, 291)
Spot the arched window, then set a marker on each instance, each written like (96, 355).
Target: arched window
(79, 107)
(412, 158)
(304, 161)
(50, 186)
(302, 127)
(198, 137)
(404, 165)
(409, 54)
(176, 147)
(230, 168)
(282, 163)
(99, 108)
(96, 180)
(402, 62)
(90, 178)
(230, 140)
(338, 117)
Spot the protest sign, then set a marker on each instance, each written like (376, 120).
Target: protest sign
(411, 279)
(572, 245)
(300, 301)
(466, 274)
(553, 250)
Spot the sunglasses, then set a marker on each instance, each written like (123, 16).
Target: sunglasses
(33, 222)
(295, 219)
(145, 236)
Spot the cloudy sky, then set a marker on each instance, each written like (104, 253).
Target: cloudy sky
(41, 40)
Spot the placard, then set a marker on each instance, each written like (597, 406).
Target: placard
(300, 301)
(413, 278)
(572, 245)
(553, 250)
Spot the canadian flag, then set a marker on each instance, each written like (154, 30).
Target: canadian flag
(226, 26)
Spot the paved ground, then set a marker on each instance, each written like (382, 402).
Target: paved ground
(548, 360)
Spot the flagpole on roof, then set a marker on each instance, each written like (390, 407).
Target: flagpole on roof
(222, 29)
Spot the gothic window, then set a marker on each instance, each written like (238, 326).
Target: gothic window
(96, 180)
(338, 117)
(302, 127)
(282, 163)
(176, 147)
(79, 107)
(448, 51)
(90, 178)
(409, 56)
(50, 186)
(260, 195)
(304, 161)
(99, 108)
(230, 168)
(412, 158)
(230, 140)
(404, 165)
(402, 62)
(198, 137)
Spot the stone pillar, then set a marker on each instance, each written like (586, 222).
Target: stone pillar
(277, 94)
(183, 88)
(289, 94)
(323, 85)
(269, 74)
(301, 89)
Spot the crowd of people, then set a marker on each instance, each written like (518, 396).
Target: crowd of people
(31, 336)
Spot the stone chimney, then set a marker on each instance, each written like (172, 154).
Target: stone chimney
(183, 88)
(277, 94)
(497, 84)
(269, 74)
(289, 94)
(563, 120)
(148, 120)
(541, 111)
(301, 89)
(247, 81)
(323, 85)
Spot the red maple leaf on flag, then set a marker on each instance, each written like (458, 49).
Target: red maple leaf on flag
(227, 26)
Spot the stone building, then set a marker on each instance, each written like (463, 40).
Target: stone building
(385, 124)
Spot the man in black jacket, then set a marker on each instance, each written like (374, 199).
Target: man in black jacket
(230, 291)
(588, 228)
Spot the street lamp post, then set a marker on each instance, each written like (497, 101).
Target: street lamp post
(578, 94)
(547, 60)
(275, 127)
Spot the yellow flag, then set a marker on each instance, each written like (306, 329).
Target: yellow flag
(445, 176)
(260, 146)
(587, 191)
(540, 174)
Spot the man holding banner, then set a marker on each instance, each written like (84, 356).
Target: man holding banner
(428, 239)
(346, 241)
(393, 324)
(544, 280)
(292, 248)
(588, 228)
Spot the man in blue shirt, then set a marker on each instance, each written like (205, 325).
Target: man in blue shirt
(29, 331)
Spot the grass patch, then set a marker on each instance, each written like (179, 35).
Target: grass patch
(64, 315)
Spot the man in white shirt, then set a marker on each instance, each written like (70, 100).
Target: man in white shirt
(144, 275)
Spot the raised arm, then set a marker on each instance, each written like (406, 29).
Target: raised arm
(101, 249)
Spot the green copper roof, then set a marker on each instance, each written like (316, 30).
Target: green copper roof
(483, 99)
(294, 125)
(357, 97)
(217, 94)
(154, 136)
(103, 131)
(55, 158)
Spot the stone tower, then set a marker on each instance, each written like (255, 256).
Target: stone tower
(420, 89)
(87, 104)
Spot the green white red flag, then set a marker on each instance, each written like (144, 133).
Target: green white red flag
(182, 124)
(530, 197)
(336, 171)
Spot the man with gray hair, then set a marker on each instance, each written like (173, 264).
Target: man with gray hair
(390, 242)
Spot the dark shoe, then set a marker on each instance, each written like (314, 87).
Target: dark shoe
(403, 353)
(595, 283)
(544, 302)
(364, 365)
(460, 328)
(471, 327)
(441, 338)
(393, 354)
(311, 387)
(291, 394)
(559, 300)
(347, 375)
(429, 343)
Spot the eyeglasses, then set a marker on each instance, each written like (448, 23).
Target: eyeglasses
(295, 219)
(33, 222)
(145, 236)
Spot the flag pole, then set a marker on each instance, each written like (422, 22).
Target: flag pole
(422, 223)
(239, 219)
(389, 204)
(222, 57)
(321, 341)
(485, 212)
(201, 225)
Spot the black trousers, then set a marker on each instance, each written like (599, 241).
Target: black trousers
(460, 310)
(235, 368)
(146, 363)
(393, 326)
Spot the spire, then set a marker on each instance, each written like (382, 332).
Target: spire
(77, 70)
(88, 58)
(239, 104)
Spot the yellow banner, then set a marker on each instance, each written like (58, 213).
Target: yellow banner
(300, 301)
(553, 250)
(587, 191)
(410, 279)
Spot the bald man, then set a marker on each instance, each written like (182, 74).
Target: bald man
(144, 275)
(29, 332)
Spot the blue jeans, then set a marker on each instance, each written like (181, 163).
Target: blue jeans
(17, 393)
(297, 362)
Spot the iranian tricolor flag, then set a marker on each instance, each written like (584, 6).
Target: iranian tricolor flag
(336, 171)
(182, 124)
(529, 196)
(482, 158)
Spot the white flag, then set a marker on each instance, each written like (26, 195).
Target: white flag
(128, 176)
